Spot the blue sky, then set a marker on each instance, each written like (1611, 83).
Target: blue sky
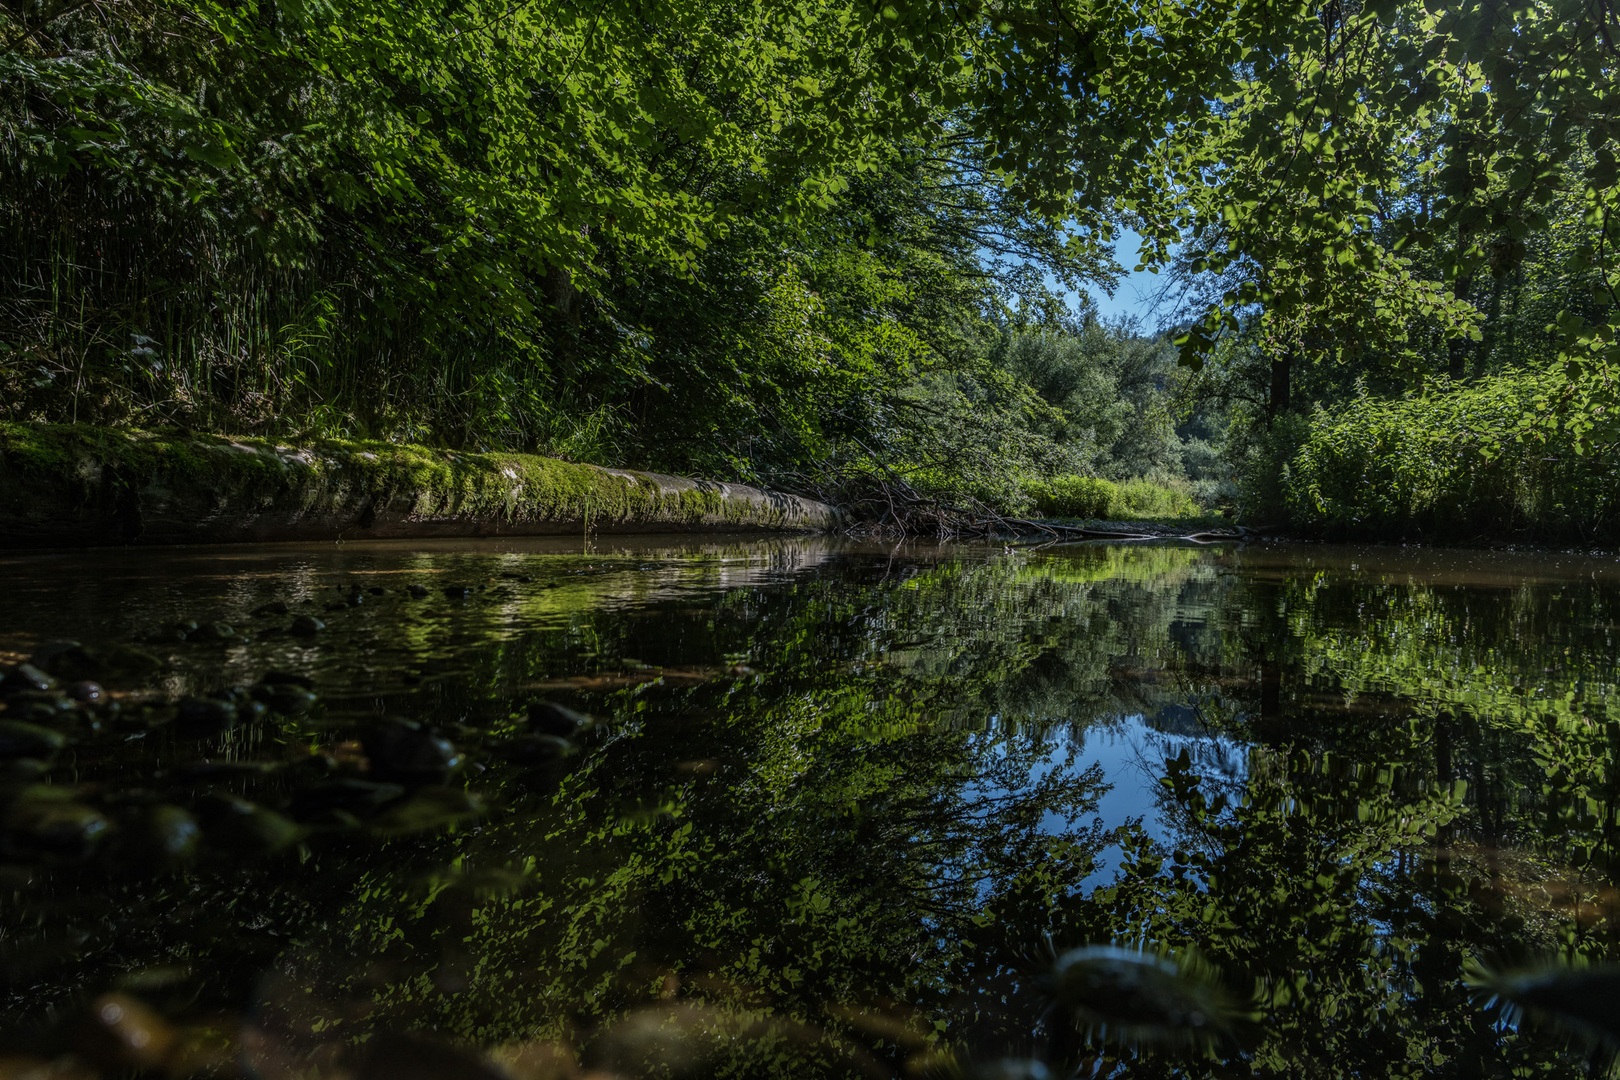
(1132, 296)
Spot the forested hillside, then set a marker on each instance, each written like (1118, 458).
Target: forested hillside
(833, 246)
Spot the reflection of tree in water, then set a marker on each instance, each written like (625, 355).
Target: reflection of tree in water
(856, 854)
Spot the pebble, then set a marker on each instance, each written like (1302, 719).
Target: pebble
(87, 691)
(205, 716)
(37, 707)
(414, 1057)
(307, 626)
(22, 740)
(45, 822)
(121, 1033)
(47, 651)
(25, 677)
(285, 698)
(537, 749)
(237, 823)
(549, 718)
(406, 751)
(276, 675)
(359, 796)
(168, 835)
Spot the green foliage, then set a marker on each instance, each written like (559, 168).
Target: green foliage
(1507, 456)
(1072, 496)
(1090, 497)
(707, 237)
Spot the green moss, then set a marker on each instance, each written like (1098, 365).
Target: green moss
(335, 477)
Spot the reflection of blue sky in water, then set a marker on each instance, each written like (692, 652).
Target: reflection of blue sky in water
(1131, 751)
(1132, 754)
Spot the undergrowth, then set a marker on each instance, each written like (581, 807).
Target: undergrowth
(1125, 500)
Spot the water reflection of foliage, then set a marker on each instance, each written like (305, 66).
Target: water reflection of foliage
(855, 857)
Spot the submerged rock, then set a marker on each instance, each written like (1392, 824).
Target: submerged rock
(413, 1057)
(239, 825)
(1133, 997)
(87, 691)
(121, 1033)
(289, 699)
(166, 835)
(214, 631)
(428, 808)
(205, 716)
(549, 718)
(360, 797)
(307, 626)
(405, 751)
(23, 740)
(277, 676)
(46, 821)
(536, 749)
(25, 677)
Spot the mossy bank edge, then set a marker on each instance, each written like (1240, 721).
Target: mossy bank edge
(78, 486)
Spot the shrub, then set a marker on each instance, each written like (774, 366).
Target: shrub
(1505, 455)
(1072, 496)
(1143, 498)
(1089, 497)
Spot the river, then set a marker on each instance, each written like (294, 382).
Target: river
(834, 808)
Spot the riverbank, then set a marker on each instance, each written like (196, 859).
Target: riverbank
(83, 486)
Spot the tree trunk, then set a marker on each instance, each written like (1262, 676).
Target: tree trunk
(1281, 377)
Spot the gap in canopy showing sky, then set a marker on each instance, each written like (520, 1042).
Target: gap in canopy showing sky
(1135, 294)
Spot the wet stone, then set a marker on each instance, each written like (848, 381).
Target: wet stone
(431, 807)
(87, 691)
(47, 823)
(275, 607)
(36, 707)
(307, 626)
(23, 740)
(549, 718)
(235, 825)
(23, 678)
(418, 592)
(167, 835)
(360, 797)
(121, 1033)
(536, 749)
(285, 698)
(22, 770)
(276, 675)
(205, 771)
(205, 716)
(214, 631)
(47, 651)
(457, 592)
(413, 1057)
(409, 753)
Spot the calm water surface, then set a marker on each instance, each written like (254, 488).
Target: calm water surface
(838, 808)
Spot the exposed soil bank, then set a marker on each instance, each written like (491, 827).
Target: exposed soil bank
(76, 486)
